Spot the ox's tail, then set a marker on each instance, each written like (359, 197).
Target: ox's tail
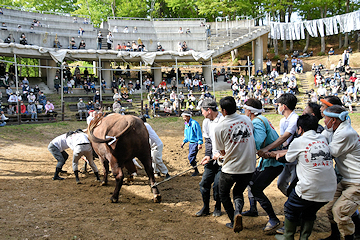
(96, 122)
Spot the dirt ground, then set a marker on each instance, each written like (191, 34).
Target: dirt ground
(35, 207)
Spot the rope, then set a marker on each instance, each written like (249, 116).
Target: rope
(158, 183)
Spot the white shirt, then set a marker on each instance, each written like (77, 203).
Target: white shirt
(289, 125)
(208, 127)
(154, 138)
(234, 134)
(76, 139)
(60, 142)
(317, 180)
(344, 145)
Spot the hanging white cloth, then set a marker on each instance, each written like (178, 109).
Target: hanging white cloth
(282, 32)
(314, 27)
(320, 24)
(336, 31)
(272, 30)
(302, 29)
(340, 21)
(287, 31)
(309, 28)
(329, 29)
(297, 31)
(357, 20)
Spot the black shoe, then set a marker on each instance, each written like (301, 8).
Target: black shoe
(167, 176)
(196, 173)
(63, 171)
(250, 213)
(57, 178)
(217, 212)
(203, 212)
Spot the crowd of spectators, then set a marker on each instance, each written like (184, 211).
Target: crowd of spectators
(340, 80)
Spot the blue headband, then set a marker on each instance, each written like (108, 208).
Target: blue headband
(342, 116)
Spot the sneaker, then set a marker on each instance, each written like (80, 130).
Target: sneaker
(167, 176)
(271, 225)
(229, 225)
(157, 175)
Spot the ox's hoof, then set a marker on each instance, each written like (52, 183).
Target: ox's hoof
(157, 198)
(103, 183)
(113, 200)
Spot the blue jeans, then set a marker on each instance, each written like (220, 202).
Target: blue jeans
(193, 150)
(297, 208)
(211, 175)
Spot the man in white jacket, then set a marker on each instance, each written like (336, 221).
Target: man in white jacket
(344, 143)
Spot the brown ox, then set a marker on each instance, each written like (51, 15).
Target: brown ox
(131, 140)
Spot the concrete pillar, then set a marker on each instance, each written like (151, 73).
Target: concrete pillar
(206, 72)
(51, 72)
(43, 71)
(157, 76)
(106, 74)
(258, 54)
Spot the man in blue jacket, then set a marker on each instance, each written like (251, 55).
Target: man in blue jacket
(193, 135)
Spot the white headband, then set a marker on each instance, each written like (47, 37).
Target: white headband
(256, 111)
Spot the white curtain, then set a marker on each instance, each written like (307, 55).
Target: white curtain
(329, 26)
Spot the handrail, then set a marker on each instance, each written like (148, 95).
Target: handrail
(180, 19)
(129, 18)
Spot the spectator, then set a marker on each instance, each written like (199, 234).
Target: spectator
(12, 99)
(49, 107)
(9, 91)
(116, 106)
(31, 97)
(9, 39)
(187, 31)
(126, 30)
(42, 99)
(180, 31)
(82, 108)
(80, 31)
(90, 106)
(86, 21)
(72, 43)
(31, 108)
(39, 107)
(184, 47)
(115, 30)
(82, 44)
(103, 85)
(331, 51)
(1, 11)
(97, 105)
(118, 47)
(3, 26)
(99, 38)
(96, 96)
(135, 30)
(22, 108)
(11, 110)
(109, 40)
(74, 20)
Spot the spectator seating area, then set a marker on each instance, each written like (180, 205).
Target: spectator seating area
(165, 32)
(42, 30)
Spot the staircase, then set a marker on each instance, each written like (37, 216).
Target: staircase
(226, 41)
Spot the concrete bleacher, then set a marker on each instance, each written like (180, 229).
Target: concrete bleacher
(51, 25)
(165, 32)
